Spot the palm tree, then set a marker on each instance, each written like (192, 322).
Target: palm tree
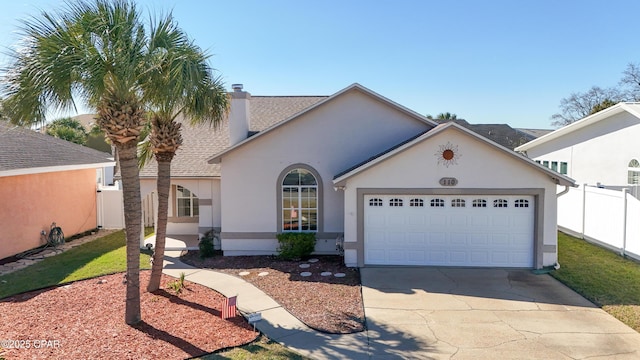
(181, 85)
(97, 52)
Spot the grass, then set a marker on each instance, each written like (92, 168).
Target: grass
(106, 255)
(262, 348)
(602, 276)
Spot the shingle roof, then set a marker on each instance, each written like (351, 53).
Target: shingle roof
(200, 142)
(22, 148)
(502, 134)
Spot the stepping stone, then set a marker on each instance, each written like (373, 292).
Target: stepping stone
(339, 275)
(304, 266)
(264, 273)
(244, 273)
(326, 273)
(313, 260)
(305, 273)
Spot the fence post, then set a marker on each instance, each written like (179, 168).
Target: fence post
(624, 222)
(584, 209)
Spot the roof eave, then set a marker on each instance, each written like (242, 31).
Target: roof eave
(613, 110)
(47, 169)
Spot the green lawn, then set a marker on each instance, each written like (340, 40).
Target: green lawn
(262, 348)
(106, 255)
(602, 276)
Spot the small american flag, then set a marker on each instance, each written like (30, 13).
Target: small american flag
(229, 307)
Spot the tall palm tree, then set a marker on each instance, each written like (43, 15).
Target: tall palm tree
(180, 85)
(97, 52)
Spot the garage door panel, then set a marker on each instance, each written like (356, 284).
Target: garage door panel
(479, 257)
(437, 220)
(495, 232)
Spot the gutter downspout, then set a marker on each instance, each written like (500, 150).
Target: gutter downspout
(563, 192)
(624, 222)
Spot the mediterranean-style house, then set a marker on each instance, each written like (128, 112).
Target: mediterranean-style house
(397, 187)
(45, 180)
(596, 150)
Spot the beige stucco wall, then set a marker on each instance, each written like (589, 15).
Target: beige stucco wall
(30, 203)
(479, 166)
(208, 192)
(331, 138)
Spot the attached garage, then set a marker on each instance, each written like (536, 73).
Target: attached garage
(450, 198)
(449, 230)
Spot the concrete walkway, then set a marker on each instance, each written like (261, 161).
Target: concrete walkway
(277, 323)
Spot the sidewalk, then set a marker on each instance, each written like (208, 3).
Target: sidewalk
(277, 323)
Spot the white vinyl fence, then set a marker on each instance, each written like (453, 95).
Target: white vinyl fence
(110, 208)
(610, 218)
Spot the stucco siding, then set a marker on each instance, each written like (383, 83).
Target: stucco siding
(597, 153)
(479, 166)
(30, 203)
(330, 138)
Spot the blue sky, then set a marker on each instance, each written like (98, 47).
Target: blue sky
(486, 61)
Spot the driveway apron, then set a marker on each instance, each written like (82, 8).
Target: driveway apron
(465, 313)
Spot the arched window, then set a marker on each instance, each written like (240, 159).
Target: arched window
(522, 203)
(416, 203)
(500, 203)
(633, 172)
(457, 203)
(299, 201)
(395, 202)
(477, 203)
(375, 202)
(437, 203)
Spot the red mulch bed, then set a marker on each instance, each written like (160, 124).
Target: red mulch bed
(85, 320)
(325, 303)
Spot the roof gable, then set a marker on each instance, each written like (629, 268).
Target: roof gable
(202, 140)
(341, 178)
(631, 108)
(24, 151)
(354, 87)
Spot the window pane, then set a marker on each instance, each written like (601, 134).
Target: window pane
(554, 165)
(184, 207)
(306, 178)
(563, 168)
(292, 178)
(196, 207)
(634, 163)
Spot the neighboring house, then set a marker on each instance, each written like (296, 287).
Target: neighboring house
(502, 134)
(44, 180)
(599, 149)
(400, 189)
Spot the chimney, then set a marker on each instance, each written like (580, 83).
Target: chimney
(239, 114)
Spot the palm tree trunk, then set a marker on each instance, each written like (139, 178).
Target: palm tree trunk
(163, 187)
(127, 153)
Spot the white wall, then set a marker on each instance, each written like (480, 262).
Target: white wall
(597, 153)
(331, 138)
(479, 167)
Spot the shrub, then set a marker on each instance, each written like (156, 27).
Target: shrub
(206, 245)
(294, 246)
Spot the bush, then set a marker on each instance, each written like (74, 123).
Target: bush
(206, 245)
(294, 246)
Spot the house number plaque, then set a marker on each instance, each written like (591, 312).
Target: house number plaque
(448, 181)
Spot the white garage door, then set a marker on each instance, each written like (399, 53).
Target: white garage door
(451, 230)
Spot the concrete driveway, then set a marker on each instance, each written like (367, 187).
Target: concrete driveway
(446, 313)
